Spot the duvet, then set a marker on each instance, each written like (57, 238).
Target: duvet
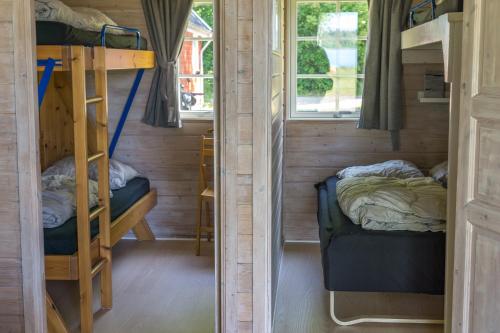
(389, 204)
(59, 199)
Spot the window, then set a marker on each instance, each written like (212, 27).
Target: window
(327, 54)
(196, 64)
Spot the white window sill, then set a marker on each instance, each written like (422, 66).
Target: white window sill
(197, 117)
(319, 119)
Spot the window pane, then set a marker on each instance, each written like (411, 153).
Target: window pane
(309, 15)
(197, 57)
(361, 46)
(349, 91)
(315, 95)
(196, 94)
(313, 59)
(361, 11)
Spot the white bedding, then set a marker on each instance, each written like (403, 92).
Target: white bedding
(393, 168)
(84, 18)
(380, 203)
(119, 173)
(59, 199)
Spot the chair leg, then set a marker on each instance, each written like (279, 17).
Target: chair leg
(386, 320)
(207, 217)
(198, 225)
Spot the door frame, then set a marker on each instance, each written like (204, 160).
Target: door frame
(28, 164)
(29, 170)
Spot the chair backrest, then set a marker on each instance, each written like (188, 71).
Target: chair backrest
(206, 160)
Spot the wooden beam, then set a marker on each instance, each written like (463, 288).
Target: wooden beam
(121, 226)
(116, 59)
(82, 187)
(55, 323)
(142, 231)
(129, 59)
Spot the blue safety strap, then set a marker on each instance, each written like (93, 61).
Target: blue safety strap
(49, 65)
(126, 110)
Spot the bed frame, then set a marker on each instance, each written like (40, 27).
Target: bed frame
(89, 143)
(443, 34)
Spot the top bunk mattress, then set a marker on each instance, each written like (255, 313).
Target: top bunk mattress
(355, 259)
(63, 239)
(56, 33)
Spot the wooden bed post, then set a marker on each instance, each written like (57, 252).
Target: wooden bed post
(101, 88)
(82, 186)
(103, 265)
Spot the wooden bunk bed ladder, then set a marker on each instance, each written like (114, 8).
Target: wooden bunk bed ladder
(88, 269)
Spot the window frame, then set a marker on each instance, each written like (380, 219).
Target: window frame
(202, 114)
(292, 77)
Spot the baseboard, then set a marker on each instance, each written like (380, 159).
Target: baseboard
(167, 239)
(301, 241)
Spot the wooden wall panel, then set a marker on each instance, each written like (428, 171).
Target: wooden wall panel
(168, 157)
(11, 303)
(21, 270)
(316, 150)
(277, 154)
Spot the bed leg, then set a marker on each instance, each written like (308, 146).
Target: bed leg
(55, 323)
(143, 232)
(387, 320)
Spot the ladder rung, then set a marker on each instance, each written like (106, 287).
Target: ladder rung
(96, 156)
(98, 267)
(93, 100)
(96, 212)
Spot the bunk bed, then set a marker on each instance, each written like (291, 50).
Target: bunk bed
(81, 248)
(360, 260)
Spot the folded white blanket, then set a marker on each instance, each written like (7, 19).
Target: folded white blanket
(59, 199)
(380, 203)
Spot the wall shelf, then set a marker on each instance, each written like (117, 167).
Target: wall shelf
(434, 100)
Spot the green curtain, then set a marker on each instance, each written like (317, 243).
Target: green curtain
(381, 106)
(166, 21)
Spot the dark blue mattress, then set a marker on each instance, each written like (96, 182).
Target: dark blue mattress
(355, 259)
(63, 239)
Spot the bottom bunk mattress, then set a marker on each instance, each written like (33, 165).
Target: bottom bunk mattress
(57, 33)
(355, 259)
(63, 239)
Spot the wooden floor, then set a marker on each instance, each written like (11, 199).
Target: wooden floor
(158, 286)
(302, 304)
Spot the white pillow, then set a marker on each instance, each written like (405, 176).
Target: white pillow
(394, 168)
(440, 173)
(79, 17)
(119, 173)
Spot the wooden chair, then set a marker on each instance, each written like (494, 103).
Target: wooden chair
(206, 191)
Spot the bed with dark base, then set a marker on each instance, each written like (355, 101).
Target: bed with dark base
(359, 260)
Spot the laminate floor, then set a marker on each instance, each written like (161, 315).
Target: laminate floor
(302, 303)
(158, 286)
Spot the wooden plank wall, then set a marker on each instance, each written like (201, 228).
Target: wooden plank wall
(236, 25)
(316, 150)
(11, 295)
(277, 135)
(168, 157)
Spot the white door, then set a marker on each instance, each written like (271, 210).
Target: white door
(476, 297)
